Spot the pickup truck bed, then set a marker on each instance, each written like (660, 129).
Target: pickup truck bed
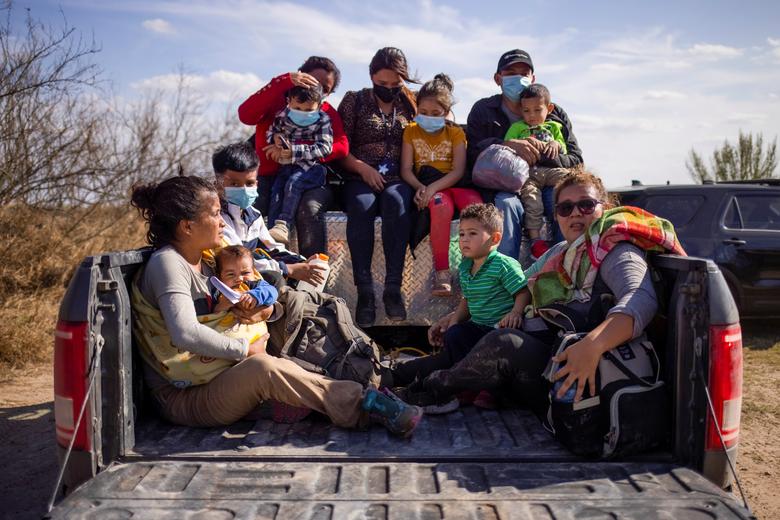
(472, 463)
(467, 434)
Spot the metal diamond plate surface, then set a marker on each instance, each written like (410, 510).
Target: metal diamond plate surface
(421, 307)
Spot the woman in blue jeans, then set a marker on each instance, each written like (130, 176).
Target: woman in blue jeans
(374, 121)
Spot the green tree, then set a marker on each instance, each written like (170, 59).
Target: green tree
(745, 161)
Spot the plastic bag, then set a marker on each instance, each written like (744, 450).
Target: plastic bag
(498, 167)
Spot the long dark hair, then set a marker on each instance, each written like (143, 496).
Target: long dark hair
(163, 205)
(394, 59)
(440, 89)
(326, 64)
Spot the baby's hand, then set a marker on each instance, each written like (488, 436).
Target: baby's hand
(247, 302)
(222, 304)
(552, 149)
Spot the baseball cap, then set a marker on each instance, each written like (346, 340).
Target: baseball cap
(512, 57)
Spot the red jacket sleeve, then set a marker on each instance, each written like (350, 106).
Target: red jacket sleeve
(340, 141)
(266, 102)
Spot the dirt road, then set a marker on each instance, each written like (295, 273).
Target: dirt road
(29, 460)
(29, 465)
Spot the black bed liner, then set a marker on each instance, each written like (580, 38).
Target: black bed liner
(469, 433)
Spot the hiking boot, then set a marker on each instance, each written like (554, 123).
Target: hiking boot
(430, 402)
(394, 304)
(442, 284)
(279, 232)
(386, 408)
(365, 311)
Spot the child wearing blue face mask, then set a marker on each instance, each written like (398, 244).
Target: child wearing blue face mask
(433, 160)
(304, 133)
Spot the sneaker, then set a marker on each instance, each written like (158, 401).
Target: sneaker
(279, 232)
(365, 311)
(442, 284)
(430, 403)
(386, 408)
(538, 248)
(394, 304)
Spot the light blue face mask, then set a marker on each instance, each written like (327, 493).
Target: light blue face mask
(430, 124)
(241, 197)
(513, 86)
(303, 117)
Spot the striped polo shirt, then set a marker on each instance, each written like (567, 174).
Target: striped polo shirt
(490, 292)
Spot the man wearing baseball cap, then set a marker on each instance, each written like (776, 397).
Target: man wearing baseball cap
(488, 122)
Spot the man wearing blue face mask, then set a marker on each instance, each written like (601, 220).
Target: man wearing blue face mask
(235, 168)
(487, 124)
(303, 136)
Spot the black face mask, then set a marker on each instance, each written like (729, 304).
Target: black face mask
(386, 94)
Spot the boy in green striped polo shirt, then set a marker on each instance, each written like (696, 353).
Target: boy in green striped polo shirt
(491, 284)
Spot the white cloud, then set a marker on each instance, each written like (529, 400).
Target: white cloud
(664, 94)
(639, 97)
(219, 86)
(745, 118)
(714, 51)
(158, 25)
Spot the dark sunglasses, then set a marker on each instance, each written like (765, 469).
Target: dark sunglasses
(586, 207)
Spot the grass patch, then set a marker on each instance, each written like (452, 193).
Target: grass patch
(43, 249)
(759, 335)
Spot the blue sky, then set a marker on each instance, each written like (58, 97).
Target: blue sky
(643, 83)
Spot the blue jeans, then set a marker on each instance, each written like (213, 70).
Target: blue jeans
(548, 199)
(264, 185)
(290, 183)
(458, 342)
(394, 205)
(512, 210)
(310, 219)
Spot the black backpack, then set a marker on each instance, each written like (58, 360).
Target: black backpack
(317, 333)
(630, 412)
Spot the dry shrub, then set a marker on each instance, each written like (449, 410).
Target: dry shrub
(42, 249)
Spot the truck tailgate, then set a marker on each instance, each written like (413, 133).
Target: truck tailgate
(397, 490)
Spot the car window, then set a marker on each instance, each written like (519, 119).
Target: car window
(629, 198)
(754, 211)
(732, 218)
(679, 209)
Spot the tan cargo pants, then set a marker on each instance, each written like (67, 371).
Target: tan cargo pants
(239, 389)
(531, 194)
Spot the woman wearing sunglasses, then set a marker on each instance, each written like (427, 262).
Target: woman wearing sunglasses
(603, 253)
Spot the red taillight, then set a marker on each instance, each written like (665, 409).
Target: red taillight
(70, 383)
(725, 384)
